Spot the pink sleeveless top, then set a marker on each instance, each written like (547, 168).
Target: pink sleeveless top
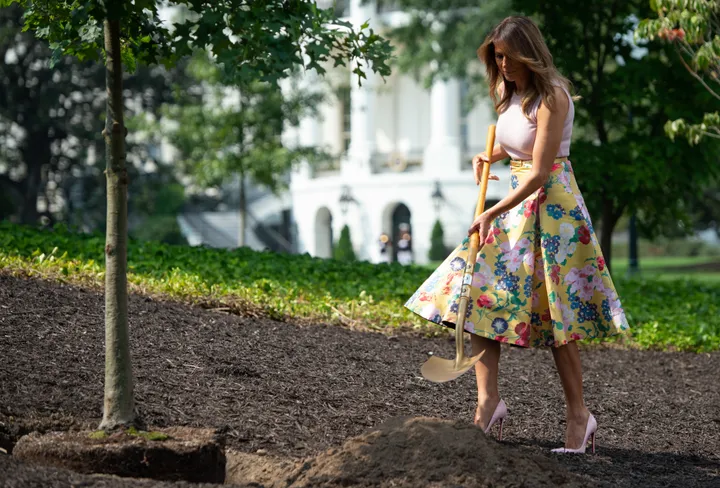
(516, 133)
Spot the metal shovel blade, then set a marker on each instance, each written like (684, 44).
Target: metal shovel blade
(440, 370)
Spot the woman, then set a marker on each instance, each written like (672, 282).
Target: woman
(540, 277)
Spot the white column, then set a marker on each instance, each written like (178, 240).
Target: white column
(443, 152)
(362, 104)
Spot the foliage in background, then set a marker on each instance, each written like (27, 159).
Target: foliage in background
(693, 28)
(679, 314)
(668, 248)
(623, 160)
(221, 128)
(343, 250)
(222, 131)
(162, 197)
(46, 121)
(438, 251)
(442, 36)
(50, 144)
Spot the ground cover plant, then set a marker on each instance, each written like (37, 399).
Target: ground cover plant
(679, 314)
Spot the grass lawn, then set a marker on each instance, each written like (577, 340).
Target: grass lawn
(666, 310)
(697, 268)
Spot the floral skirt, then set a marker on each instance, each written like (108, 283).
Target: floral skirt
(540, 278)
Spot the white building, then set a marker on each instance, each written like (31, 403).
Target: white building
(404, 156)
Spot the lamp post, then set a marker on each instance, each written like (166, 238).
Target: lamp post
(345, 199)
(437, 197)
(633, 268)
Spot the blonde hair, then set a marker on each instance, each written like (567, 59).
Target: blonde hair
(526, 45)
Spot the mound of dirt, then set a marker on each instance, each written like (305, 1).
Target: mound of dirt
(418, 452)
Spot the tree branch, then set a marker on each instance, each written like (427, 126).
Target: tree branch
(696, 76)
(11, 187)
(619, 211)
(710, 134)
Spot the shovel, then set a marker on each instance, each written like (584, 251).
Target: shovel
(441, 370)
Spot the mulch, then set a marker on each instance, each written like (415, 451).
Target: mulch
(295, 391)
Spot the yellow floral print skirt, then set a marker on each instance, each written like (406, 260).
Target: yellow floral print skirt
(540, 278)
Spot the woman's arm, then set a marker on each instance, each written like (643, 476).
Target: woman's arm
(498, 155)
(547, 143)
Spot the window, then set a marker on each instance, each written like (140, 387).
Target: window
(344, 99)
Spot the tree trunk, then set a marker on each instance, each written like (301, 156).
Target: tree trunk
(29, 213)
(610, 217)
(242, 214)
(119, 403)
(36, 154)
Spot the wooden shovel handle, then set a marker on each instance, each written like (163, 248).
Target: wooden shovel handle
(474, 246)
(480, 208)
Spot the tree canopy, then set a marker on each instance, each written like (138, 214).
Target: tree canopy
(693, 28)
(251, 40)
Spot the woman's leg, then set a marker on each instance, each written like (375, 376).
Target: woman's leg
(486, 373)
(567, 360)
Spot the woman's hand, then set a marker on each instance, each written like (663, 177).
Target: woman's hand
(478, 162)
(482, 225)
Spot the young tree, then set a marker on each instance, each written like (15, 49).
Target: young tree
(624, 161)
(252, 40)
(438, 252)
(693, 28)
(225, 130)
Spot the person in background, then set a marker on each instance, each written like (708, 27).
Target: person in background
(385, 248)
(404, 246)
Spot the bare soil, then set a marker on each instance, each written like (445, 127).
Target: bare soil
(297, 393)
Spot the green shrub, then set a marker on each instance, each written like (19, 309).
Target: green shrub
(438, 252)
(677, 314)
(162, 228)
(344, 249)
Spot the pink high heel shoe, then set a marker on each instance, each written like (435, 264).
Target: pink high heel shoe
(589, 435)
(498, 416)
